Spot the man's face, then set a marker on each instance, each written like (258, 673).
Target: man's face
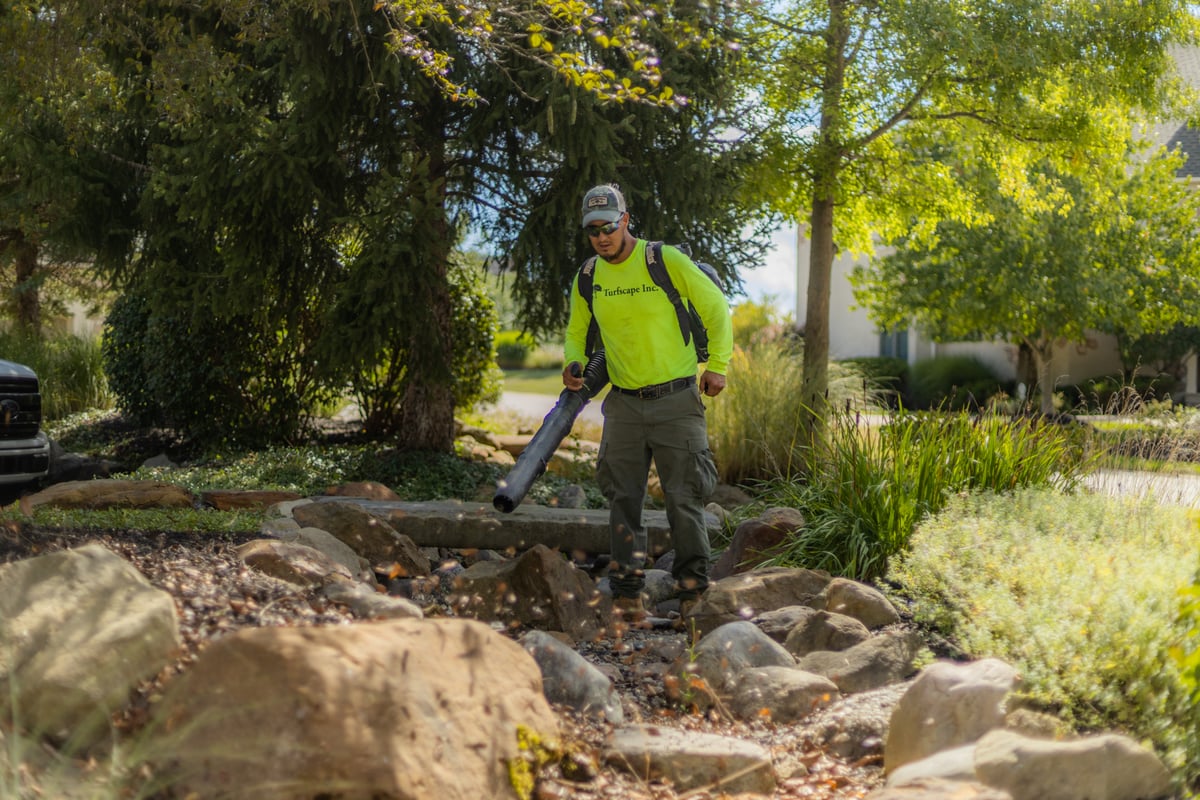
(607, 237)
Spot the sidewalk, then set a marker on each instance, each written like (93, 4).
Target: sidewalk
(1164, 488)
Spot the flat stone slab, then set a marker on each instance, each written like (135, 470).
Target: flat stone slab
(460, 525)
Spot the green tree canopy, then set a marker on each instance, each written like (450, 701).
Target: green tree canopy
(849, 83)
(304, 170)
(58, 146)
(1113, 247)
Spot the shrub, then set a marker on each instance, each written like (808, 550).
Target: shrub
(513, 349)
(121, 347)
(888, 376)
(877, 483)
(1080, 594)
(546, 356)
(951, 383)
(477, 379)
(1187, 652)
(218, 380)
(380, 377)
(758, 322)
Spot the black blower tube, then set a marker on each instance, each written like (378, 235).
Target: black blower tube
(512, 488)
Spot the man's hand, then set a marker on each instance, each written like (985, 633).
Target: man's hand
(573, 376)
(711, 383)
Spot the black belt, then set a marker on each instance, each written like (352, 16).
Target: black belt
(659, 389)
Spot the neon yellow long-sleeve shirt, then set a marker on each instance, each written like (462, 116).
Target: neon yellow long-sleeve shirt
(642, 340)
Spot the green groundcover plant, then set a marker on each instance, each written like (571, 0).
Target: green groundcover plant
(1081, 593)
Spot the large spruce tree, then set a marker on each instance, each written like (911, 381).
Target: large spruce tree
(310, 166)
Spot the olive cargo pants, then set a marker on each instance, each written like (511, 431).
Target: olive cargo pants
(671, 430)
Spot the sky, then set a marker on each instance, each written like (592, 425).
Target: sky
(776, 278)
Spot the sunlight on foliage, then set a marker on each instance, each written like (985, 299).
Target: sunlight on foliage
(1079, 593)
(880, 479)
(556, 34)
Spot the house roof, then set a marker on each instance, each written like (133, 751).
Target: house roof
(1178, 133)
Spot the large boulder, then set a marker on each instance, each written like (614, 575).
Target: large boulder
(1105, 767)
(822, 630)
(368, 535)
(780, 694)
(878, 661)
(540, 589)
(569, 679)
(720, 658)
(689, 760)
(403, 709)
(109, 493)
(746, 595)
(292, 562)
(865, 603)
(79, 629)
(757, 539)
(946, 706)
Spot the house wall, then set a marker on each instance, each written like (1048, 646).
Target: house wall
(1076, 362)
(852, 334)
(78, 321)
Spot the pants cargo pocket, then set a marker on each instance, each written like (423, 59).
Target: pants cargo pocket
(692, 470)
(705, 469)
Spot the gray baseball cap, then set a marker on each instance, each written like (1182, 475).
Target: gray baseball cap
(603, 203)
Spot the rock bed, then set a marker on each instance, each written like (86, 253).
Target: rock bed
(215, 594)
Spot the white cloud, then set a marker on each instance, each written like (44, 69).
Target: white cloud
(775, 280)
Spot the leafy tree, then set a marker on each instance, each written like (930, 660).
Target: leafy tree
(1167, 350)
(682, 172)
(848, 82)
(54, 212)
(757, 322)
(1114, 248)
(310, 166)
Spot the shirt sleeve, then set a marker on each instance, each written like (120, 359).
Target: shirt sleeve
(710, 303)
(580, 319)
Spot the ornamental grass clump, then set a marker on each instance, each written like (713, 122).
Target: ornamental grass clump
(70, 370)
(874, 483)
(755, 426)
(1082, 594)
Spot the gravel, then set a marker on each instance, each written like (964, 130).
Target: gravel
(216, 594)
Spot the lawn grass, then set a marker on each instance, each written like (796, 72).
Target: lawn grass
(533, 381)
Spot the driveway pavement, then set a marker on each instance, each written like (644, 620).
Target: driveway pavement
(1167, 489)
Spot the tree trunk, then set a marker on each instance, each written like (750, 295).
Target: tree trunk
(426, 418)
(26, 298)
(1042, 355)
(820, 264)
(816, 325)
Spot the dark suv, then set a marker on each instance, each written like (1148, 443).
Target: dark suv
(24, 448)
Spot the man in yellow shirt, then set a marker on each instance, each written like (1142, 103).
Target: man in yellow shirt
(654, 408)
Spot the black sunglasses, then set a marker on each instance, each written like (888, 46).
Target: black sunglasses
(596, 230)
